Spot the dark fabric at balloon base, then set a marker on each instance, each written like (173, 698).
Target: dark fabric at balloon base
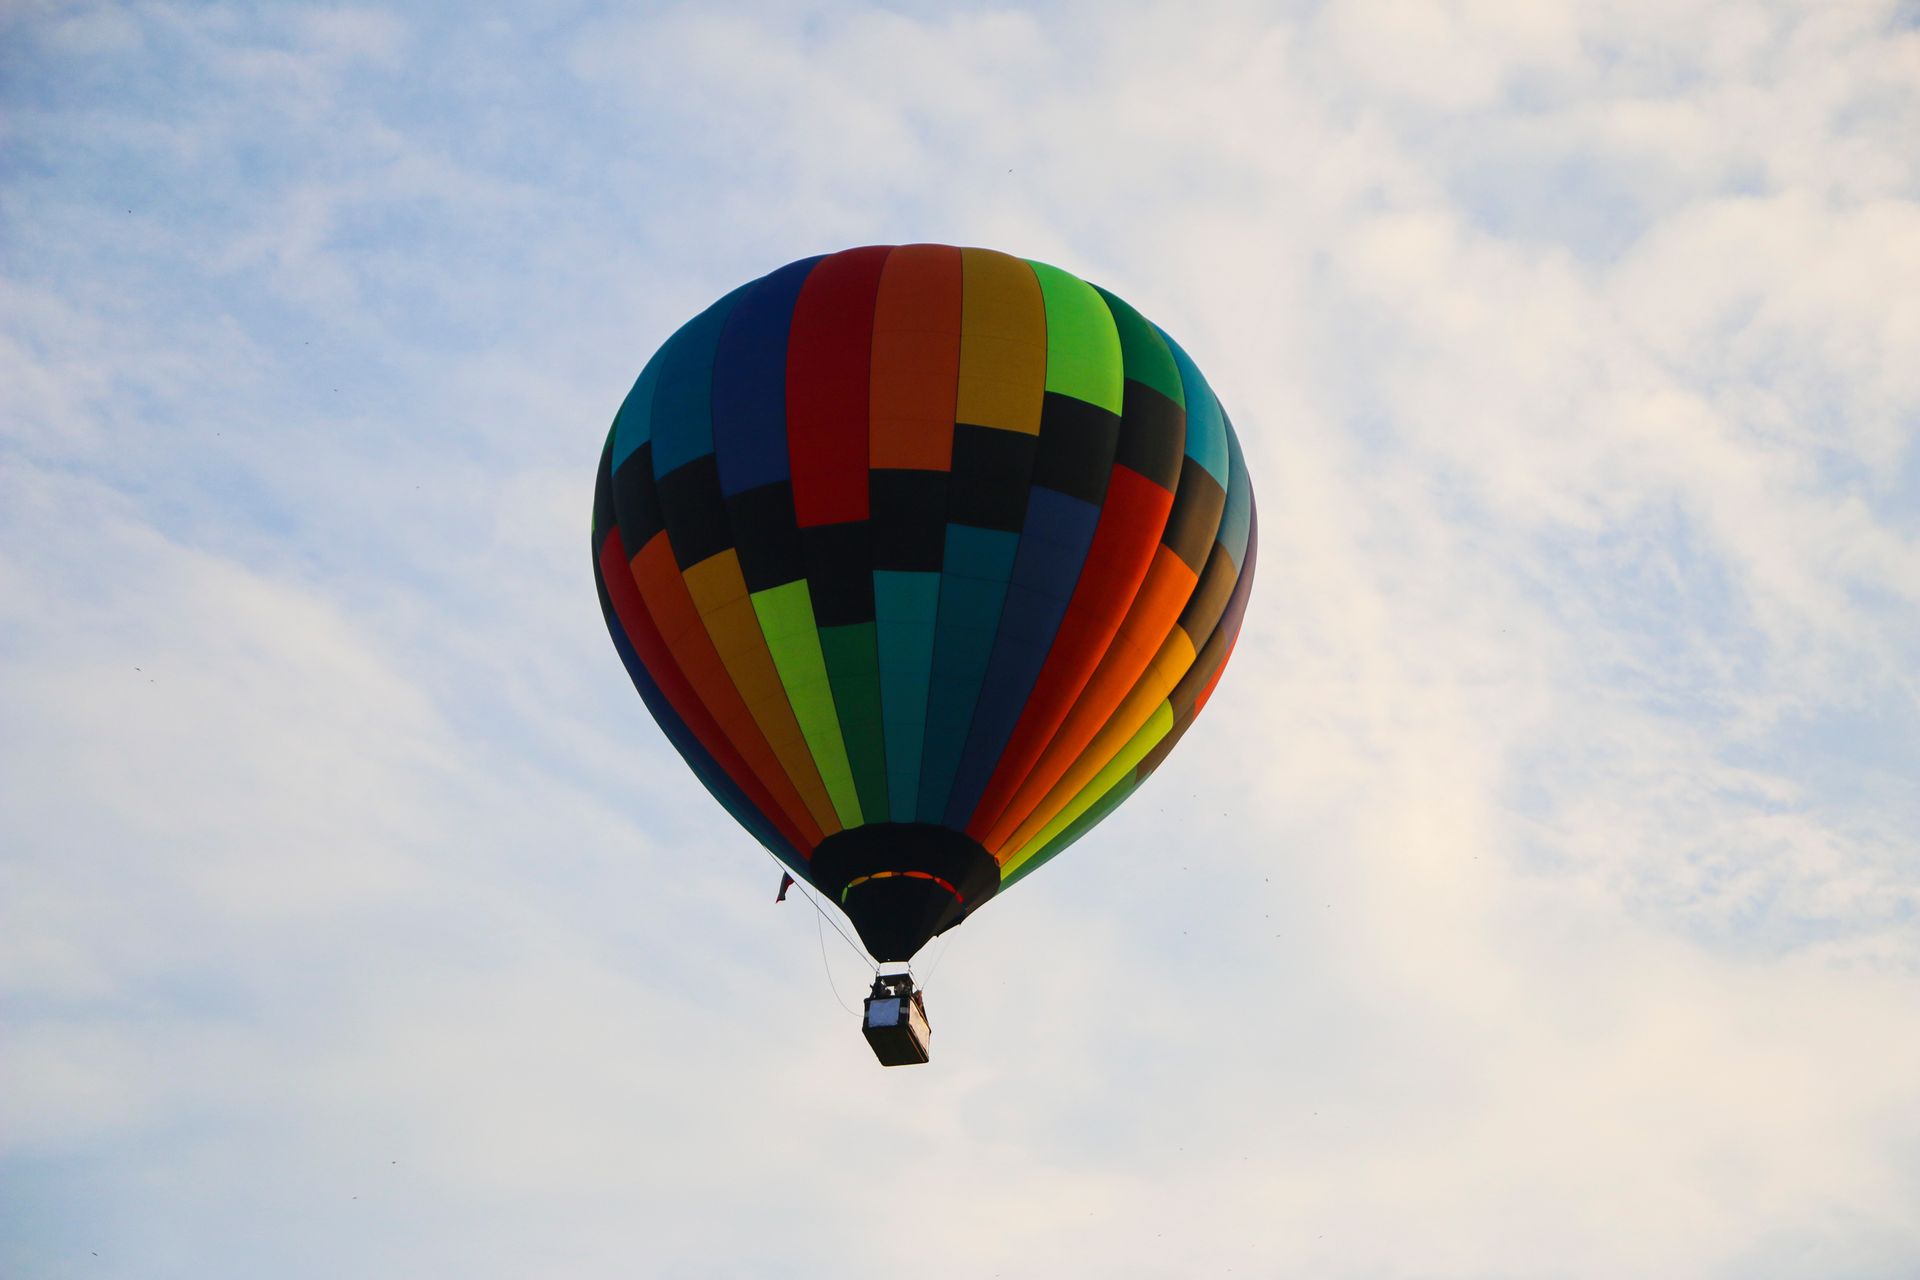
(900, 883)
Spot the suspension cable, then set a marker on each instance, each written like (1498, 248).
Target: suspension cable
(946, 941)
(832, 986)
(806, 891)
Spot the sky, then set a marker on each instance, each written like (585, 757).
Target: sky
(1538, 897)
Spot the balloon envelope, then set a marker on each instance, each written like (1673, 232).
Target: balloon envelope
(923, 558)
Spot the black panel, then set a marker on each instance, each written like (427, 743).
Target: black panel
(695, 515)
(767, 535)
(603, 515)
(1077, 441)
(1209, 596)
(909, 519)
(636, 497)
(1195, 518)
(1153, 435)
(898, 914)
(992, 471)
(839, 572)
(1225, 631)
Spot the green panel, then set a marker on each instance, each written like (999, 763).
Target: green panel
(786, 619)
(1118, 769)
(904, 606)
(853, 667)
(1086, 822)
(1142, 351)
(1083, 349)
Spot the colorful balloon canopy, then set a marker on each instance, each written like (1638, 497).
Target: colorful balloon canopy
(923, 558)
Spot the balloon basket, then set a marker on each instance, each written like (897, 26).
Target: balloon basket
(895, 1021)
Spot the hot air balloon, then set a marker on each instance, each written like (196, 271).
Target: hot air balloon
(923, 558)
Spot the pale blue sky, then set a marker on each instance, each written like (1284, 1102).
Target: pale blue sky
(1538, 896)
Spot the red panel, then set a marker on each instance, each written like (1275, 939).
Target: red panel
(685, 637)
(651, 648)
(1132, 520)
(829, 367)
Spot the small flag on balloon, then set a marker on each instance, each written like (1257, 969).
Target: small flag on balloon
(786, 883)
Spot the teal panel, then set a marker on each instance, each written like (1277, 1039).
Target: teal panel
(1236, 522)
(633, 425)
(682, 423)
(979, 553)
(973, 588)
(1206, 425)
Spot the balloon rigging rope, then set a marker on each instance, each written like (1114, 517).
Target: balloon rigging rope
(946, 941)
(832, 986)
(807, 891)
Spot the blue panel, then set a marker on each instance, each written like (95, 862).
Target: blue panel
(1054, 543)
(704, 766)
(904, 610)
(1028, 618)
(683, 399)
(973, 585)
(1236, 520)
(1206, 425)
(750, 381)
(1053, 547)
(1003, 695)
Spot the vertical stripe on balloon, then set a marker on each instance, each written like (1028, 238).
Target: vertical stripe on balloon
(1188, 660)
(1002, 386)
(913, 390)
(1133, 514)
(1144, 635)
(829, 388)
(1079, 429)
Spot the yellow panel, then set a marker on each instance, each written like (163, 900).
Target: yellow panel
(736, 634)
(1117, 769)
(715, 581)
(1003, 343)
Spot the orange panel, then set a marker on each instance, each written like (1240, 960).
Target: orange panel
(1153, 614)
(1164, 672)
(643, 633)
(667, 599)
(916, 359)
